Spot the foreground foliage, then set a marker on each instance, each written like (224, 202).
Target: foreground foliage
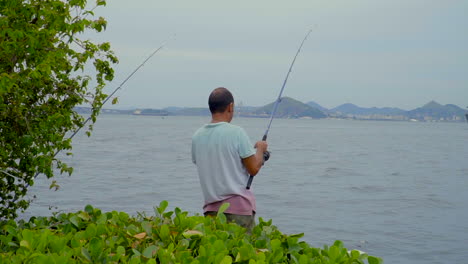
(44, 67)
(92, 236)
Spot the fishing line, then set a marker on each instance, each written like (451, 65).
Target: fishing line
(120, 86)
(266, 155)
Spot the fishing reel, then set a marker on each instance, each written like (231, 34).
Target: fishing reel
(266, 156)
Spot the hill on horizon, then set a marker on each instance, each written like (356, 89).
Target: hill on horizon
(349, 108)
(437, 111)
(290, 108)
(316, 105)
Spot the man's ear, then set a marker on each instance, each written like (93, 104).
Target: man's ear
(231, 107)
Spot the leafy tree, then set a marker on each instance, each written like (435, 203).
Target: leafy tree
(45, 71)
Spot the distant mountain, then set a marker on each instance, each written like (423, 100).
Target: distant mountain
(290, 108)
(151, 112)
(319, 107)
(87, 110)
(245, 109)
(82, 110)
(436, 111)
(348, 109)
(356, 110)
(191, 111)
(173, 109)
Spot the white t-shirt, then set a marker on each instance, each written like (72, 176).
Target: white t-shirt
(218, 150)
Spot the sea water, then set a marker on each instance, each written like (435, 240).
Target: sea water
(397, 190)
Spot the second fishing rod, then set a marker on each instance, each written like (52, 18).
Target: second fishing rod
(266, 155)
(112, 94)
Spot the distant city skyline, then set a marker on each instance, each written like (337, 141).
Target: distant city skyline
(241, 104)
(398, 53)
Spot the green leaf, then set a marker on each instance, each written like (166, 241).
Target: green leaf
(12, 244)
(135, 260)
(355, 254)
(115, 100)
(95, 246)
(11, 230)
(123, 216)
(164, 232)
(91, 231)
(101, 2)
(54, 186)
(219, 246)
(297, 235)
(226, 260)
(85, 253)
(75, 243)
(168, 214)
(333, 252)
(162, 207)
(136, 252)
(102, 219)
(223, 208)
(28, 235)
(275, 244)
(150, 251)
(192, 234)
(84, 216)
(89, 209)
(374, 260)
(74, 220)
(303, 259)
(56, 245)
(120, 251)
(24, 243)
(148, 227)
(277, 256)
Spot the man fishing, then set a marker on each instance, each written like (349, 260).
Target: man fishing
(225, 158)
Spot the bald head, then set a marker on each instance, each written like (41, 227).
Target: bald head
(219, 100)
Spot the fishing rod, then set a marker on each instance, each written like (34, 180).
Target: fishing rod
(120, 86)
(266, 155)
(112, 94)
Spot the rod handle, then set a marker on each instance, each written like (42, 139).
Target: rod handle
(249, 182)
(266, 156)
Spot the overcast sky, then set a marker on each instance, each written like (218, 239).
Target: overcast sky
(398, 53)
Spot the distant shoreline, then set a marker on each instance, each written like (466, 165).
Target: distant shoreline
(110, 113)
(290, 108)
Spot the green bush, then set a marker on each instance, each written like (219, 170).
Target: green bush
(47, 68)
(92, 236)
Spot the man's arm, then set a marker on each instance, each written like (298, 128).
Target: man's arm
(255, 162)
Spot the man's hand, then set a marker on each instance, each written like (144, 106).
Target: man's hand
(255, 162)
(261, 145)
